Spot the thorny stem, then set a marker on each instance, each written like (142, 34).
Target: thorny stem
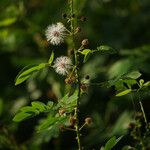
(77, 128)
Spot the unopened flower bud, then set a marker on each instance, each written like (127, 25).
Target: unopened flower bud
(73, 79)
(83, 87)
(83, 18)
(88, 120)
(78, 29)
(138, 115)
(71, 51)
(64, 15)
(62, 127)
(61, 111)
(131, 125)
(85, 42)
(72, 121)
(73, 16)
(87, 77)
(68, 81)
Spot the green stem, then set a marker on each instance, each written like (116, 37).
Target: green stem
(142, 109)
(77, 127)
(77, 114)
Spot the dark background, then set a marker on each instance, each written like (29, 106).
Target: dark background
(122, 24)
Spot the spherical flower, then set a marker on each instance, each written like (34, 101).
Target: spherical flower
(62, 65)
(56, 33)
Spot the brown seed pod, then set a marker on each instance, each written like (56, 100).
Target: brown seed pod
(61, 111)
(87, 77)
(62, 127)
(131, 125)
(78, 29)
(64, 15)
(88, 120)
(72, 121)
(68, 81)
(83, 87)
(85, 42)
(83, 18)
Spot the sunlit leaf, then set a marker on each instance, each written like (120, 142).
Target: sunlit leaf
(125, 92)
(141, 82)
(51, 58)
(21, 116)
(28, 109)
(26, 72)
(147, 83)
(86, 51)
(8, 21)
(31, 111)
(39, 105)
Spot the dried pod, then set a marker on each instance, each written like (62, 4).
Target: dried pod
(85, 42)
(88, 120)
(87, 77)
(61, 111)
(68, 81)
(83, 18)
(83, 87)
(72, 121)
(62, 127)
(78, 29)
(64, 15)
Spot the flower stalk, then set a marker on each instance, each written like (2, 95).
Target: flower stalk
(72, 26)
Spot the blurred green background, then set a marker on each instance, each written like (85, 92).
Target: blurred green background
(122, 24)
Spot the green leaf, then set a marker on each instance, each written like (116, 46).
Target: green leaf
(121, 125)
(69, 102)
(141, 82)
(110, 144)
(26, 72)
(31, 111)
(147, 83)
(49, 104)
(51, 58)
(86, 51)
(133, 75)
(129, 81)
(125, 92)
(47, 123)
(39, 105)
(8, 21)
(120, 68)
(21, 116)
(86, 57)
(28, 109)
(106, 49)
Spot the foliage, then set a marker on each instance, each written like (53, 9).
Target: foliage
(118, 75)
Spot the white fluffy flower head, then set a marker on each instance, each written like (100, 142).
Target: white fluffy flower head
(55, 33)
(62, 65)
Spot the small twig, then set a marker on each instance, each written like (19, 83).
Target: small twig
(70, 129)
(142, 109)
(82, 126)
